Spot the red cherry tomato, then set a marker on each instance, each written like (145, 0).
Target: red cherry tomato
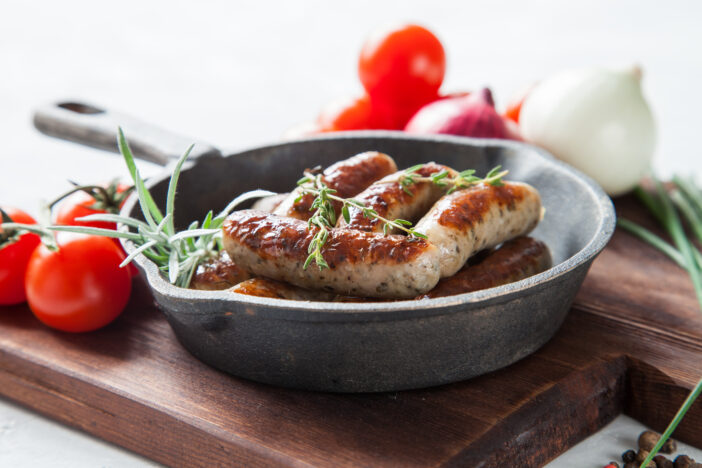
(14, 257)
(346, 114)
(402, 66)
(79, 287)
(80, 204)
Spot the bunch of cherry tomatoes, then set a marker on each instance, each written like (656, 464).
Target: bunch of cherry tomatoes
(75, 285)
(401, 69)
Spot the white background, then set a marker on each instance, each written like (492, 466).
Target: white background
(237, 74)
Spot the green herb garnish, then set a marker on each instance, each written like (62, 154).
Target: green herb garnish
(687, 198)
(324, 217)
(176, 253)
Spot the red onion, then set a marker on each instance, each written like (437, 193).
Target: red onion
(473, 115)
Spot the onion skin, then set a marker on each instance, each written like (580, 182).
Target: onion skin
(598, 121)
(472, 116)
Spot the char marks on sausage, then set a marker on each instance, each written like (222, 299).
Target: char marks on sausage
(391, 200)
(515, 260)
(347, 177)
(466, 221)
(360, 263)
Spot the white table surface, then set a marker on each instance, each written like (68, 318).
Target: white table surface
(238, 74)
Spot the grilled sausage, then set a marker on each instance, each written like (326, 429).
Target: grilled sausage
(360, 263)
(264, 287)
(393, 201)
(517, 259)
(348, 178)
(467, 221)
(218, 273)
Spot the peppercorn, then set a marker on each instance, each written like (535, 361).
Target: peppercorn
(683, 461)
(648, 440)
(662, 462)
(670, 446)
(631, 464)
(628, 456)
(641, 455)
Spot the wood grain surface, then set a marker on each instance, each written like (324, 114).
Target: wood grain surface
(632, 343)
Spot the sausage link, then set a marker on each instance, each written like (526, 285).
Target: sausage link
(218, 273)
(393, 201)
(466, 221)
(347, 177)
(264, 287)
(360, 263)
(517, 259)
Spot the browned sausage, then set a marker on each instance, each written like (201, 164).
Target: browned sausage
(360, 263)
(517, 259)
(347, 177)
(466, 221)
(392, 201)
(218, 273)
(264, 287)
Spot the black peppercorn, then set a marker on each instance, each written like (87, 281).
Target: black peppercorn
(662, 462)
(628, 456)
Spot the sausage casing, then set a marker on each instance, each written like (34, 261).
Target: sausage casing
(515, 260)
(264, 287)
(347, 177)
(467, 221)
(218, 273)
(393, 201)
(360, 263)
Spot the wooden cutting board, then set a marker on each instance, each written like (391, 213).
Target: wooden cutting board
(632, 343)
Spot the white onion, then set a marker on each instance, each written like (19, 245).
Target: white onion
(597, 120)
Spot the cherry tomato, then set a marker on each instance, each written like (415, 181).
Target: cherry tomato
(346, 114)
(80, 287)
(389, 116)
(514, 107)
(402, 66)
(14, 256)
(80, 204)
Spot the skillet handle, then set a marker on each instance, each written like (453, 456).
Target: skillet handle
(93, 126)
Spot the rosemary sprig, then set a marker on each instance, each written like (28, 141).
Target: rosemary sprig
(688, 200)
(324, 217)
(462, 180)
(177, 254)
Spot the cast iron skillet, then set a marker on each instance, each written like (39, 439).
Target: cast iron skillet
(359, 347)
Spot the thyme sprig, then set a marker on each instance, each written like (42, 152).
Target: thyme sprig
(462, 180)
(324, 217)
(176, 253)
